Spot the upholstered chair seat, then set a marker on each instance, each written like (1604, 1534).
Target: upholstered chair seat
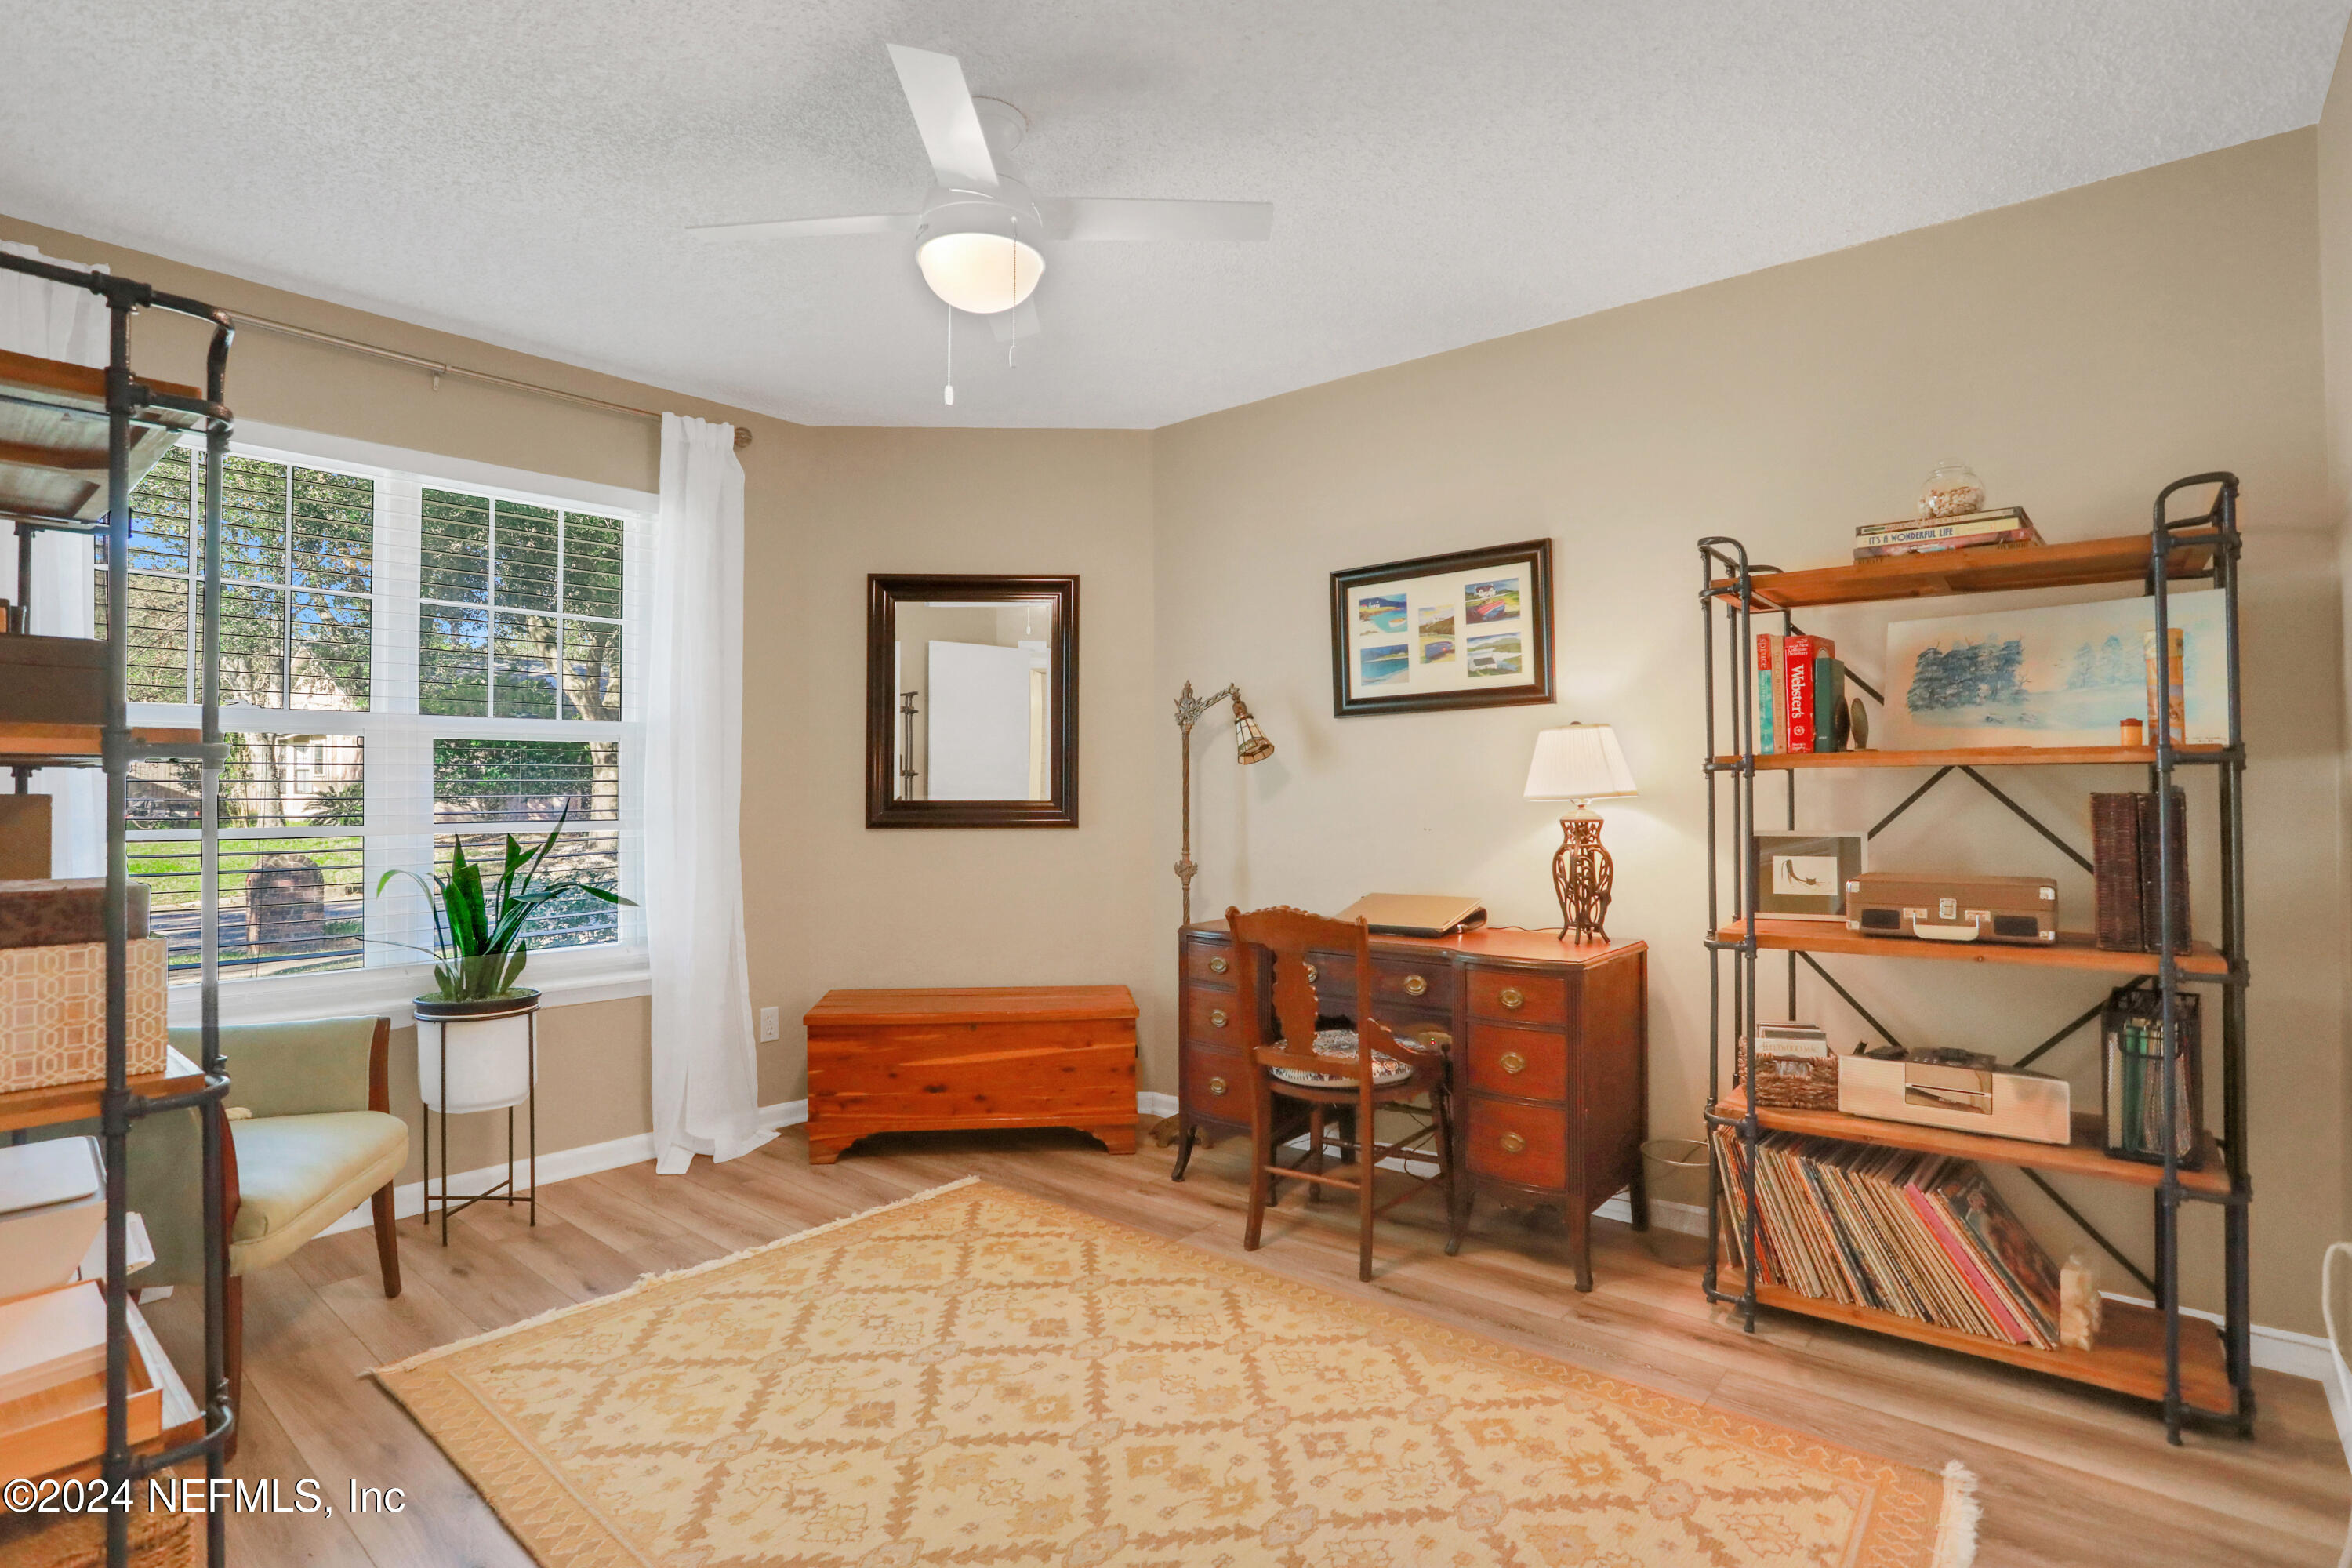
(296, 1175)
(1341, 1045)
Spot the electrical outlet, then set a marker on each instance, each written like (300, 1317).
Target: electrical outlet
(768, 1025)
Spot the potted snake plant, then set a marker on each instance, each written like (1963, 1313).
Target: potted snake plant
(473, 1034)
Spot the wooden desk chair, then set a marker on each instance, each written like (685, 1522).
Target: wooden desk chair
(1353, 1070)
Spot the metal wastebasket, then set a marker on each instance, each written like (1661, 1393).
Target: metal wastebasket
(1674, 1171)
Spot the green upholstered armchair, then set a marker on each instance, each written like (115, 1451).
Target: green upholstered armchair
(319, 1138)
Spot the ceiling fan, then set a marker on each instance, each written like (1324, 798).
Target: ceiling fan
(976, 237)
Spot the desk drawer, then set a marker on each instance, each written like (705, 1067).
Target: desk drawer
(1416, 984)
(1209, 964)
(1212, 1016)
(1522, 1143)
(1215, 1083)
(1526, 1064)
(1517, 996)
(1334, 975)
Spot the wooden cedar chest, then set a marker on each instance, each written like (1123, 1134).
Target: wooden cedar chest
(901, 1062)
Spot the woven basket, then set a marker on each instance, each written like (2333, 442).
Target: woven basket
(78, 1541)
(1796, 1083)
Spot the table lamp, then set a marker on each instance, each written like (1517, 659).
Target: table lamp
(1580, 763)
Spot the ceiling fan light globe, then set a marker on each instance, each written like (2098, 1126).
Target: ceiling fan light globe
(979, 273)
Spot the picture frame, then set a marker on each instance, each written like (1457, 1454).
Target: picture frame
(1789, 861)
(1472, 628)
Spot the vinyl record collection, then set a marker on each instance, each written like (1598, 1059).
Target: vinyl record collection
(1921, 1235)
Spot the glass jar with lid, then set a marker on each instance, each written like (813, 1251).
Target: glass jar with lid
(1952, 490)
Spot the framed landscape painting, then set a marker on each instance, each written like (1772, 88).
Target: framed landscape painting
(1472, 629)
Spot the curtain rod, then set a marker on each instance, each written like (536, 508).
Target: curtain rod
(437, 369)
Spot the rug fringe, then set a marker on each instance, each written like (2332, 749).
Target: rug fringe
(648, 1281)
(1956, 1525)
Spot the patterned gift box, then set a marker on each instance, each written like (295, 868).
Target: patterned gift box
(53, 1013)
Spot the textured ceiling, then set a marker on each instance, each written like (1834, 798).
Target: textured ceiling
(1442, 173)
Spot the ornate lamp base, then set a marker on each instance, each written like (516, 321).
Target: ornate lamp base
(1582, 875)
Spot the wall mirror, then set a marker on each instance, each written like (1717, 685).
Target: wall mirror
(971, 701)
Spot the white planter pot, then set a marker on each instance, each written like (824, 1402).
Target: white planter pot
(486, 1047)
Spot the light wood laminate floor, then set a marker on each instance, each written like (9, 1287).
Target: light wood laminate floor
(2067, 1476)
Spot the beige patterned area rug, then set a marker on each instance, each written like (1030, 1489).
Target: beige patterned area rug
(974, 1376)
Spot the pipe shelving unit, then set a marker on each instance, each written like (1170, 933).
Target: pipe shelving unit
(133, 411)
(2161, 1352)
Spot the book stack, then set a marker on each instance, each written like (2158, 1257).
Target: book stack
(1920, 535)
(1799, 694)
(1920, 1236)
(2126, 871)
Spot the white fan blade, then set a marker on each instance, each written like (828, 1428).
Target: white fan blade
(1018, 324)
(810, 228)
(1119, 217)
(945, 117)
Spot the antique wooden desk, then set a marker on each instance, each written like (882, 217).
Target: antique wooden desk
(1549, 1044)
(898, 1061)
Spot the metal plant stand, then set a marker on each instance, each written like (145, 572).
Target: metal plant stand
(2201, 549)
(438, 1200)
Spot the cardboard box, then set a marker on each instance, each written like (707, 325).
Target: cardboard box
(53, 1014)
(58, 913)
(23, 835)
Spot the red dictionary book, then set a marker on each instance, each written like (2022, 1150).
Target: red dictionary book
(1798, 660)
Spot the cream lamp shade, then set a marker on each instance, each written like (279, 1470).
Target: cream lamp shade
(1577, 763)
(979, 272)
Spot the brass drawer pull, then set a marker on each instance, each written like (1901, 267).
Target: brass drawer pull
(1513, 998)
(1313, 975)
(1512, 1143)
(1216, 966)
(1217, 1087)
(1513, 1062)
(1415, 985)
(1217, 1017)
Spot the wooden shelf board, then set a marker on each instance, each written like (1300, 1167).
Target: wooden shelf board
(2127, 1359)
(1986, 570)
(53, 457)
(1970, 757)
(2072, 949)
(79, 1101)
(2086, 1156)
(71, 740)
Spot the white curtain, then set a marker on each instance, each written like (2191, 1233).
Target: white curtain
(53, 321)
(704, 1066)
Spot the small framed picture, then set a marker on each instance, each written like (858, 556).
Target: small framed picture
(1802, 875)
(1472, 629)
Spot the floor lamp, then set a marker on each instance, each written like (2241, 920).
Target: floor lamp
(1250, 745)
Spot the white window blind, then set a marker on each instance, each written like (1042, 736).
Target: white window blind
(409, 666)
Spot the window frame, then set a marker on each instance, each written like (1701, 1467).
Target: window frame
(399, 831)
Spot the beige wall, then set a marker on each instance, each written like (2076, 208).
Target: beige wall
(2335, 205)
(2080, 350)
(832, 903)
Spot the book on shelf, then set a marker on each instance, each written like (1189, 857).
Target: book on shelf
(1800, 654)
(1768, 688)
(1917, 536)
(1829, 700)
(2125, 870)
(1919, 1236)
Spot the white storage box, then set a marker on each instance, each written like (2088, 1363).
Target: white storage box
(2001, 1101)
(52, 1208)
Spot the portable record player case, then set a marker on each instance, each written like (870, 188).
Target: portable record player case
(1953, 907)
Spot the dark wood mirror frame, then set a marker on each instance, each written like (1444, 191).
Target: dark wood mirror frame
(1060, 809)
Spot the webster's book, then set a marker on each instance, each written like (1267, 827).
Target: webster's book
(1800, 656)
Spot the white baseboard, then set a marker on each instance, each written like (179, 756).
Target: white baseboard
(560, 1165)
(2275, 1350)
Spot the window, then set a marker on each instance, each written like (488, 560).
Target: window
(407, 666)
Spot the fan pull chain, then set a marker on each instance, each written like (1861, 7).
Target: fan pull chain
(951, 357)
